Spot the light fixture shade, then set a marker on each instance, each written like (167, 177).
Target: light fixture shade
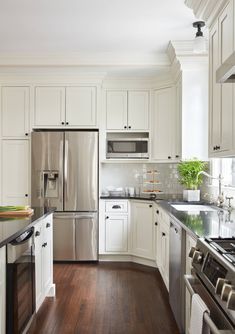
(199, 45)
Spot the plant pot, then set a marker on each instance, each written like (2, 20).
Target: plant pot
(191, 195)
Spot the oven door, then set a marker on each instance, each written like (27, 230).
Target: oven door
(20, 282)
(217, 320)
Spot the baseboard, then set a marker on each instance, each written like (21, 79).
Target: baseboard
(127, 258)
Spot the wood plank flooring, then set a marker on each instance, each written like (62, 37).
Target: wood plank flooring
(106, 298)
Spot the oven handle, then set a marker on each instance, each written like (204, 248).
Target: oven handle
(191, 279)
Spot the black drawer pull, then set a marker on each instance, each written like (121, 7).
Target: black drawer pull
(45, 244)
(116, 207)
(48, 225)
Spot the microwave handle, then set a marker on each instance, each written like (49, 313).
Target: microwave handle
(214, 329)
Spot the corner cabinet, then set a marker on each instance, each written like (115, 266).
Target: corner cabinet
(3, 290)
(44, 260)
(166, 124)
(143, 231)
(127, 110)
(15, 172)
(221, 43)
(65, 106)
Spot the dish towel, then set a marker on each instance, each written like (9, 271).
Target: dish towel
(197, 323)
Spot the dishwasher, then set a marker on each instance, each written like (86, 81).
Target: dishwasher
(176, 273)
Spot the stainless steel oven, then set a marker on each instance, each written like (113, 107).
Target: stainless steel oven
(213, 278)
(20, 291)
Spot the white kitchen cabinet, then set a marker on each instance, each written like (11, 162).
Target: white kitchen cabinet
(65, 106)
(138, 110)
(165, 135)
(127, 110)
(114, 236)
(116, 233)
(43, 259)
(15, 112)
(190, 242)
(221, 95)
(162, 223)
(3, 290)
(15, 172)
(143, 231)
(81, 106)
(49, 106)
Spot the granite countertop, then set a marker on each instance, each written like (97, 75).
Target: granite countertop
(147, 197)
(11, 227)
(212, 224)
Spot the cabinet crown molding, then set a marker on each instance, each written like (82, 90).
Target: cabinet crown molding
(206, 10)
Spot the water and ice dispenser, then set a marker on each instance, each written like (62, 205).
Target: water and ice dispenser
(50, 184)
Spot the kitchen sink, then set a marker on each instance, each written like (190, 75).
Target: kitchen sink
(193, 207)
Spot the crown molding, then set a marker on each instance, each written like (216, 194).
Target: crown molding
(83, 59)
(206, 10)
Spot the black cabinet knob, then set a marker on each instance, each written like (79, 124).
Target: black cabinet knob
(150, 205)
(156, 223)
(62, 123)
(67, 123)
(169, 157)
(45, 244)
(26, 195)
(125, 127)
(157, 212)
(37, 234)
(26, 134)
(163, 234)
(107, 217)
(177, 156)
(48, 225)
(129, 127)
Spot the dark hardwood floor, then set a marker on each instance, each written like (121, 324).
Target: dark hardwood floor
(106, 298)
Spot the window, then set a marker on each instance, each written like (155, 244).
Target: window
(225, 167)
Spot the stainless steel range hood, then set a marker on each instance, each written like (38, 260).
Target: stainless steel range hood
(226, 72)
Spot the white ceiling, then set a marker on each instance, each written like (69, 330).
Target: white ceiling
(142, 27)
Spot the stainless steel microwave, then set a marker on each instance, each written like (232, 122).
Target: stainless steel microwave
(127, 148)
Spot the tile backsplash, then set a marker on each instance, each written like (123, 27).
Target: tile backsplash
(132, 175)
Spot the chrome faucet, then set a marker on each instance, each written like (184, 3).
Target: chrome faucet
(220, 198)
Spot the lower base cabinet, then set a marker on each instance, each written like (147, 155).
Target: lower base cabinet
(116, 233)
(143, 232)
(43, 259)
(3, 290)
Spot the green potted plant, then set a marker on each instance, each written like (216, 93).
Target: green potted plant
(189, 178)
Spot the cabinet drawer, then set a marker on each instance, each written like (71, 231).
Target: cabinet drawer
(116, 206)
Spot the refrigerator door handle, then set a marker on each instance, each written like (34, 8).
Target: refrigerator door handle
(74, 216)
(66, 153)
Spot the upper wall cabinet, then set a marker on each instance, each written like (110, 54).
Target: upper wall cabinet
(15, 112)
(60, 106)
(166, 125)
(221, 95)
(127, 110)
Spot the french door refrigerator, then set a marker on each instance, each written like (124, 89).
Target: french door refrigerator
(65, 176)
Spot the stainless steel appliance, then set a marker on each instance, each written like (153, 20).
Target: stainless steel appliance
(123, 148)
(213, 262)
(176, 273)
(65, 176)
(20, 292)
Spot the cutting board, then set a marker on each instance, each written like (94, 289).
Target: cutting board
(19, 213)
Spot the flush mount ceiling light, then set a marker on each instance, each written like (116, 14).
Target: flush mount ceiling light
(199, 41)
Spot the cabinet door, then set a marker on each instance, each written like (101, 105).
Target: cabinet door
(81, 106)
(49, 106)
(15, 172)
(15, 111)
(38, 237)
(47, 254)
(163, 124)
(226, 49)
(138, 110)
(3, 290)
(116, 110)
(164, 244)
(143, 230)
(116, 233)
(215, 90)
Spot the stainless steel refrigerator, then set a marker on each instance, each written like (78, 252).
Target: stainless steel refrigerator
(65, 176)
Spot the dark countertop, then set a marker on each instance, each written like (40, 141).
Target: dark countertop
(11, 227)
(143, 197)
(211, 224)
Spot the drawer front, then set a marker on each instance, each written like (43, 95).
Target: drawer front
(116, 206)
